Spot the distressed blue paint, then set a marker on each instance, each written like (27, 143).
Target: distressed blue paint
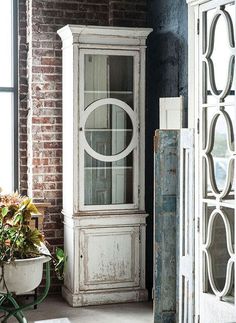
(169, 203)
(166, 190)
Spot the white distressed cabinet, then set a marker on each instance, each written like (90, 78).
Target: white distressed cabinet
(103, 163)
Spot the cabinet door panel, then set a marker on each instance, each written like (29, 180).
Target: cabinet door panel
(109, 258)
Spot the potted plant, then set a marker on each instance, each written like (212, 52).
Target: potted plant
(23, 251)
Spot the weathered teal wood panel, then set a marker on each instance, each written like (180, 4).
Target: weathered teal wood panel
(166, 158)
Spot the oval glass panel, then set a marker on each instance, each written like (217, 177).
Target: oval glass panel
(219, 252)
(220, 152)
(108, 130)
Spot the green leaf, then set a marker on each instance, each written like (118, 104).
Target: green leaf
(60, 254)
(5, 211)
(18, 218)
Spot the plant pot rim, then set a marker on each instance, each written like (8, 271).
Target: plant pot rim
(42, 258)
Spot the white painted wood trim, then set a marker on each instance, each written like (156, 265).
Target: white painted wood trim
(76, 119)
(193, 39)
(195, 94)
(69, 30)
(109, 220)
(141, 104)
(186, 227)
(123, 295)
(136, 115)
(133, 117)
(207, 301)
(74, 227)
(192, 31)
(108, 36)
(171, 112)
(96, 282)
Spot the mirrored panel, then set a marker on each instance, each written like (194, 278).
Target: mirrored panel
(220, 152)
(219, 253)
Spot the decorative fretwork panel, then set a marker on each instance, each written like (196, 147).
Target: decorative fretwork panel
(217, 119)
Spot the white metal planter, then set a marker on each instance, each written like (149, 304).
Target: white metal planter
(22, 275)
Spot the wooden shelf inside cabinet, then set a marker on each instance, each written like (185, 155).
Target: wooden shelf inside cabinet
(107, 129)
(114, 168)
(108, 92)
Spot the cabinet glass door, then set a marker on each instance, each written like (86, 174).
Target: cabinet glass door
(109, 126)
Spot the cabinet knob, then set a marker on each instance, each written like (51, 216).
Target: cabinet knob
(80, 129)
(81, 256)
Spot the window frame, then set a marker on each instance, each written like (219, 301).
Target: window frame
(14, 91)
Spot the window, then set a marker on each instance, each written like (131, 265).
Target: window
(8, 95)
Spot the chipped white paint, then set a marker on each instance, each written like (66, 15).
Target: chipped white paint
(105, 243)
(106, 259)
(171, 113)
(186, 234)
(115, 260)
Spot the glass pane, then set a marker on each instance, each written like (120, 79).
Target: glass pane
(6, 141)
(108, 76)
(92, 162)
(108, 130)
(6, 68)
(108, 183)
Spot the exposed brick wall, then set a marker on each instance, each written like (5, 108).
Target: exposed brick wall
(23, 94)
(44, 70)
(130, 13)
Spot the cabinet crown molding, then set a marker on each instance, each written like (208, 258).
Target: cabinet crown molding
(99, 34)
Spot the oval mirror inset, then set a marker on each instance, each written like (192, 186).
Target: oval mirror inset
(220, 152)
(219, 252)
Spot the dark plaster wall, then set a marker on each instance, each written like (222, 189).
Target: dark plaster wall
(166, 77)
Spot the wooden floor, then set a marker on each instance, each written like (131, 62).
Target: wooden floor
(55, 310)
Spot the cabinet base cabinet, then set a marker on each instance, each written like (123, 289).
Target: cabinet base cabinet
(104, 297)
(106, 259)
